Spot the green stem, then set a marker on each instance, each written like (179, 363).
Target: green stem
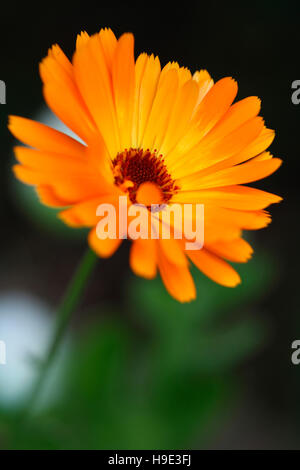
(68, 304)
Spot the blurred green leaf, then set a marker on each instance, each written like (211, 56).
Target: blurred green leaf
(159, 377)
(156, 306)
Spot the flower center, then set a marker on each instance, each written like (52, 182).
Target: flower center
(144, 176)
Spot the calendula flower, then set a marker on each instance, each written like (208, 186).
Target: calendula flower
(157, 136)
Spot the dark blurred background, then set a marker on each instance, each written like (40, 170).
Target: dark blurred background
(144, 371)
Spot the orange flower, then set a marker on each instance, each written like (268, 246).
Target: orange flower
(155, 135)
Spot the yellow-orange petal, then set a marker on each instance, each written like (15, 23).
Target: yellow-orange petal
(237, 251)
(98, 160)
(160, 113)
(239, 174)
(85, 211)
(143, 258)
(48, 197)
(62, 95)
(140, 67)
(147, 92)
(93, 80)
(201, 76)
(215, 104)
(56, 54)
(50, 161)
(239, 113)
(256, 147)
(173, 251)
(123, 78)
(205, 83)
(42, 137)
(232, 197)
(71, 220)
(180, 117)
(103, 248)
(81, 39)
(183, 73)
(210, 110)
(73, 189)
(109, 43)
(215, 268)
(177, 279)
(208, 151)
(244, 219)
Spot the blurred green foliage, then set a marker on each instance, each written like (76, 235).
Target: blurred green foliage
(160, 377)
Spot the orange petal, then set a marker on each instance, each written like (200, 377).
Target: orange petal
(103, 248)
(209, 151)
(246, 220)
(36, 134)
(237, 251)
(61, 93)
(177, 279)
(71, 220)
(93, 79)
(205, 83)
(50, 161)
(239, 174)
(258, 145)
(183, 73)
(215, 268)
(215, 104)
(143, 259)
(99, 161)
(181, 116)
(73, 189)
(85, 211)
(232, 197)
(161, 110)
(239, 113)
(109, 44)
(201, 76)
(140, 67)
(147, 91)
(48, 197)
(173, 251)
(123, 76)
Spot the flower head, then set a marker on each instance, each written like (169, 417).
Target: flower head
(157, 136)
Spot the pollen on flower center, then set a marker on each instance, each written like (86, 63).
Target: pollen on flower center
(144, 176)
